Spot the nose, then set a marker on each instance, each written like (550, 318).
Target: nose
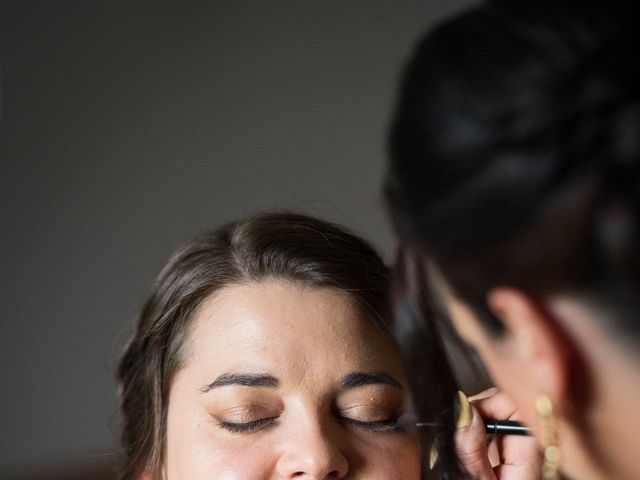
(311, 454)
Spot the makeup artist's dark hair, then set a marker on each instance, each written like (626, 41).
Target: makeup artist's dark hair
(274, 246)
(515, 161)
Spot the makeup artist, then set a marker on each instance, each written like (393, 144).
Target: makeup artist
(514, 184)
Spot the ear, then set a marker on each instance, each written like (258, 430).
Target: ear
(535, 340)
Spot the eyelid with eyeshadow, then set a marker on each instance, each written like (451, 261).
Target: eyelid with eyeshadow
(239, 427)
(246, 410)
(247, 414)
(367, 413)
(371, 417)
(375, 420)
(387, 425)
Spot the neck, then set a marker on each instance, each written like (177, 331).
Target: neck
(599, 439)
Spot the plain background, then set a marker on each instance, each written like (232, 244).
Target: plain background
(126, 127)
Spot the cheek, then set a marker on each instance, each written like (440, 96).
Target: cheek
(197, 450)
(391, 460)
(200, 454)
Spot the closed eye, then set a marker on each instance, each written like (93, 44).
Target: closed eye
(253, 425)
(370, 418)
(245, 417)
(389, 425)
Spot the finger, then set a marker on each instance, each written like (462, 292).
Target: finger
(495, 404)
(471, 448)
(493, 449)
(489, 392)
(513, 457)
(532, 470)
(518, 450)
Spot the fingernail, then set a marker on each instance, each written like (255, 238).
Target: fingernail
(433, 455)
(465, 415)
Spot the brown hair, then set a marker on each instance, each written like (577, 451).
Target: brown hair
(285, 246)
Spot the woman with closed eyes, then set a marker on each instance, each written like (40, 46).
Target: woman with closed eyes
(263, 352)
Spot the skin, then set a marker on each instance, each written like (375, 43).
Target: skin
(594, 390)
(507, 457)
(301, 349)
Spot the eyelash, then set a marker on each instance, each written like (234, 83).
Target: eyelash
(247, 426)
(390, 425)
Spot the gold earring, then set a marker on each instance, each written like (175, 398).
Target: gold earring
(550, 467)
(433, 455)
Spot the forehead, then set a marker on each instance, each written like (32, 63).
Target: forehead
(277, 324)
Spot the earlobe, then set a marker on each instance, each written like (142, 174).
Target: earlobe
(535, 338)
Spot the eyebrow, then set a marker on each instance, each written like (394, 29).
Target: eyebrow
(243, 379)
(359, 379)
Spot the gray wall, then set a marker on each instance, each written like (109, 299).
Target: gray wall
(127, 127)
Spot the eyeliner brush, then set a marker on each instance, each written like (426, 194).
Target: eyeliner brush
(505, 427)
(493, 427)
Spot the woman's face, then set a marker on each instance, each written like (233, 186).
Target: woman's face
(280, 381)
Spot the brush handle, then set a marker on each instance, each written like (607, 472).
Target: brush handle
(493, 427)
(505, 427)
